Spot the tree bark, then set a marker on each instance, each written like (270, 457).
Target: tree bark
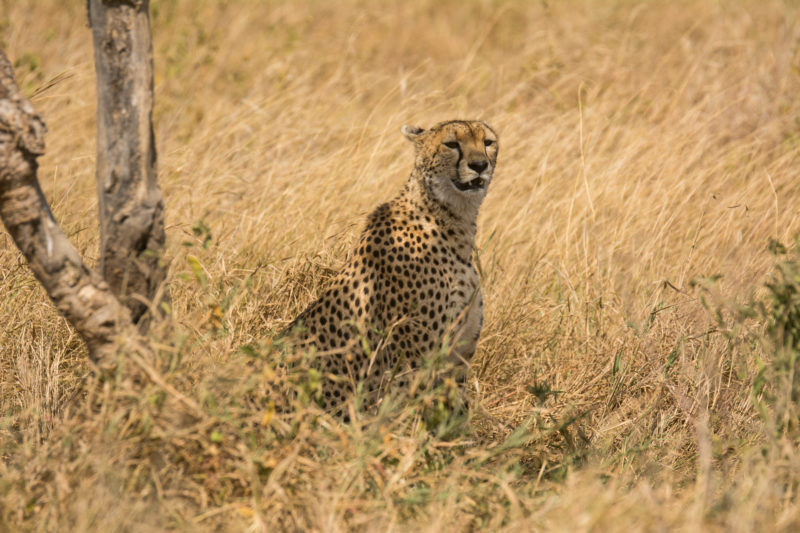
(130, 202)
(79, 293)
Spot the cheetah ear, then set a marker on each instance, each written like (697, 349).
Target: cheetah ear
(411, 132)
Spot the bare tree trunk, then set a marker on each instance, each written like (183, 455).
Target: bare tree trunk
(131, 207)
(80, 294)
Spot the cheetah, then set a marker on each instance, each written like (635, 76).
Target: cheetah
(410, 287)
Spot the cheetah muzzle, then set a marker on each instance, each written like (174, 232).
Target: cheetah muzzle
(410, 288)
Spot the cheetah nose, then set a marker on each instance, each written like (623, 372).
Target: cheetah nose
(478, 166)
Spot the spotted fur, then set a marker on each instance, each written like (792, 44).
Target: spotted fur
(410, 287)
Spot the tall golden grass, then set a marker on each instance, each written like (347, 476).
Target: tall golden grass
(649, 153)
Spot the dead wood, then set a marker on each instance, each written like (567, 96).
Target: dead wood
(131, 207)
(79, 293)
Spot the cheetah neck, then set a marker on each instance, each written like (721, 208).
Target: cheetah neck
(459, 222)
(440, 197)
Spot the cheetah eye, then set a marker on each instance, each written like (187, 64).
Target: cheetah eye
(452, 145)
(488, 142)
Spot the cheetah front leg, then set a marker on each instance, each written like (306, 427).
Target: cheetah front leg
(467, 330)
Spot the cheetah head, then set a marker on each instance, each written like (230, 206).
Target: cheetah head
(456, 160)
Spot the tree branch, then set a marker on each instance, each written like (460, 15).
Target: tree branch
(80, 294)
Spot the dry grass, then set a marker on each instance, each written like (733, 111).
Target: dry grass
(644, 145)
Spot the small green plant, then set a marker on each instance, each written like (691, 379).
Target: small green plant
(768, 329)
(542, 390)
(777, 386)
